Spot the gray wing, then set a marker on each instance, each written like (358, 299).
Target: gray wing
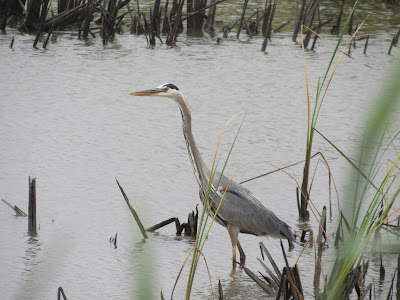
(242, 209)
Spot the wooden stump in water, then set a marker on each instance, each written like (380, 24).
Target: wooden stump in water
(195, 22)
(32, 16)
(32, 206)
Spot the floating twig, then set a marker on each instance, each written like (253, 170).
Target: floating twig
(220, 291)
(16, 209)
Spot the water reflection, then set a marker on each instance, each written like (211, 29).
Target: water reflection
(32, 251)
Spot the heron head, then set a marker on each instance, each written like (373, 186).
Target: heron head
(165, 90)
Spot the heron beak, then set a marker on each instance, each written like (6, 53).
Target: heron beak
(151, 92)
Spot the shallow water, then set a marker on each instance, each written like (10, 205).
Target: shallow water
(68, 120)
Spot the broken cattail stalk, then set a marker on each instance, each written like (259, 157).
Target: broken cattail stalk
(248, 30)
(66, 18)
(88, 19)
(242, 18)
(16, 209)
(317, 272)
(381, 270)
(298, 17)
(269, 32)
(162, 224)
(283, 25)
(114, 240)
(173, 33)
(309, 19)
(315, 40)
(12, 42)
(220, 291)
(322, 230)
(195, 21)
(267, 23)
(165, 19)
(32, 206)
(366, 45)
(318, 266)
(211, 18)
(398, 278)
(352, 19)
(264, 249)
(394, 41)
(266, 16)
(336, 27)
(275, 281)
(61, 292)
(178, 226)
(257, 280)
(391, 290)
(201, 9)
(32, 16)
(303, 236)
(135, 215)
(290, 275)
(42, 19)
(48, 37)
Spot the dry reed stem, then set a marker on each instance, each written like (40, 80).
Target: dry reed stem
(304, 247)
(183, 265)
(341, 54)
(387, 194)
(308, 91)
(325, 40)
(330, 182)
(387, 170)
(180, 271)
(302, 161)
(320, 263)
(294, 286)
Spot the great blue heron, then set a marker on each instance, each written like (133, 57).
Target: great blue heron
(240, 210)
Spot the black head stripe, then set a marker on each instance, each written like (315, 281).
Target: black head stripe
(171, 86)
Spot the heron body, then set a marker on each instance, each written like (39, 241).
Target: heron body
(240, 210)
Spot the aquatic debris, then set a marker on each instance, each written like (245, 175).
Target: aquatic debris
(114, 240)
(16, 209)
(220, 291)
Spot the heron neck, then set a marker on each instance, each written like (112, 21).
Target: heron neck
(200, 168)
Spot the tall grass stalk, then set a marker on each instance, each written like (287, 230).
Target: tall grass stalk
(202, 233)
(364, 209)
(312, 119)
(364, 224)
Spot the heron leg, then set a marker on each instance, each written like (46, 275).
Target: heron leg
(242, 255)
(233, 233)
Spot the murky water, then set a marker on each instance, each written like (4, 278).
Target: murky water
(68, 120)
